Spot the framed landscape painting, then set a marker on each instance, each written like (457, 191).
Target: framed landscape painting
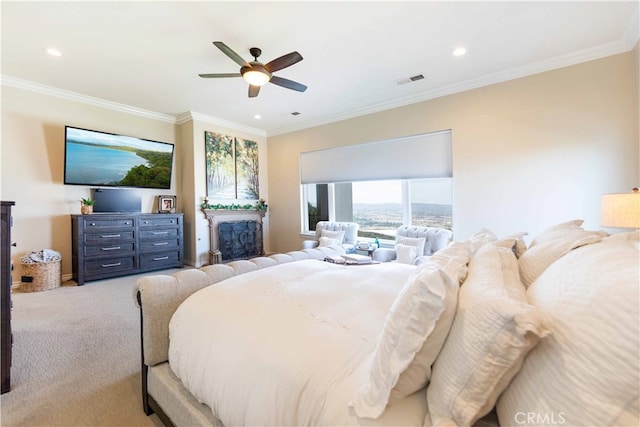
(220, 166)
(231, 167)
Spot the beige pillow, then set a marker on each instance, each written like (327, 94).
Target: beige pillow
(414, 332)
(586, 372)
(493, 330)
(551, 245)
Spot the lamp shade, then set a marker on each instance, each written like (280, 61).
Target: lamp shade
(621, 210)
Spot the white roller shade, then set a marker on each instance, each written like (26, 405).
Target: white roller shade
(420, 156)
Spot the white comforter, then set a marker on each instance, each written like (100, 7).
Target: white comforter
(289, 344)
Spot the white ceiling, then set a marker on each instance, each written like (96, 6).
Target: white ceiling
(147, 55)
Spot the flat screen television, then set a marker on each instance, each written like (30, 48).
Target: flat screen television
(117, 200)
(106, 159)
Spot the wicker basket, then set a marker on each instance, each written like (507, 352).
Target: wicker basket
(40, 276)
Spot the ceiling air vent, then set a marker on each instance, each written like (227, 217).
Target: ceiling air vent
(295, 113)
(411, 79)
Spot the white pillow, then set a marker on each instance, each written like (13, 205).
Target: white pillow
(482, 237)
(417, 242)
(413, 334)
(406, 254)
(326, 241)
(552, 244)
(586, 372)
(336, 235)
(493, 330)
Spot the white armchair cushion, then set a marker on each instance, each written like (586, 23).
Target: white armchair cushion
(406, 254)
(328, 241)
(338, 236)
(416, 242)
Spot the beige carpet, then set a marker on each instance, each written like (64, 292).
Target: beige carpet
(76, 357)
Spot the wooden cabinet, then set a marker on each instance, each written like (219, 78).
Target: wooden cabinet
(111, 245)
(5, 295)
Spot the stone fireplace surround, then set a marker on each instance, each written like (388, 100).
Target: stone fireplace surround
(217, 216)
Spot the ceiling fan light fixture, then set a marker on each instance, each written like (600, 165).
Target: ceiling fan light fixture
(255, 75)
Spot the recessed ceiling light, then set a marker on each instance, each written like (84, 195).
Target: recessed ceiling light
(459, 51)
(53, 52)
(257, 116)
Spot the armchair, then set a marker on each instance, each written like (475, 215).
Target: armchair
(348, 242)
(434, 240)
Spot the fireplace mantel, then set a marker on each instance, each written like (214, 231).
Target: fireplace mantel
(216, 216)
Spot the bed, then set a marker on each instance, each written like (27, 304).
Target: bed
(488, 330)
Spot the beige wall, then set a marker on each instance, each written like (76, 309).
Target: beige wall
(32, 171)
(194, 186)
(527, 153)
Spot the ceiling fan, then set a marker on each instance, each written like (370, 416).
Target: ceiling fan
(256, 73)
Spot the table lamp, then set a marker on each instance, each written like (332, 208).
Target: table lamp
(621, 210)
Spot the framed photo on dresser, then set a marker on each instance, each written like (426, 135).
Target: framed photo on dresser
(166, 204)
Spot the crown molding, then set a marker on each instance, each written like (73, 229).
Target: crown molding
(84, 99)
(632, 32)
(573, 58)
(203, 118)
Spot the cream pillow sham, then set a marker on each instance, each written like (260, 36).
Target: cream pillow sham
(586, 372)
(551, 245)
(493, 330)
(414, 332)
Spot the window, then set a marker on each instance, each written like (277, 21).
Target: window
(380, 207)
(380, 185)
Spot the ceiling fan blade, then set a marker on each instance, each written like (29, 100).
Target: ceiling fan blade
(253, 91)
(218, 75)
(283, 62)
(230, 53)
(289, 84)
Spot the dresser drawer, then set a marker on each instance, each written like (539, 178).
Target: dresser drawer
(164, 222)
(159, 245)
(102, 223)
(108, 266)
(106, 237)
(159, 260)
(158, 233)
(112, 249)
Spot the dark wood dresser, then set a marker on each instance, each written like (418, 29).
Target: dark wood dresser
(5, 295)
(111, 245)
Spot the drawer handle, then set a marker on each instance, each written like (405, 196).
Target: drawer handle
(160, 232)
(109, 235)
(113, 248)
(161, 244)
(117, 264)
(93, 223)
(161, 258)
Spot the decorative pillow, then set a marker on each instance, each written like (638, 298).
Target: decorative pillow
(336, 235)
(586, 372)
(552, 244)
(406, 254)
(417, 242)
(326, 241)
(481, 237)
(520, 245)
(493, 330)
(557, 231)
(413, 334)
